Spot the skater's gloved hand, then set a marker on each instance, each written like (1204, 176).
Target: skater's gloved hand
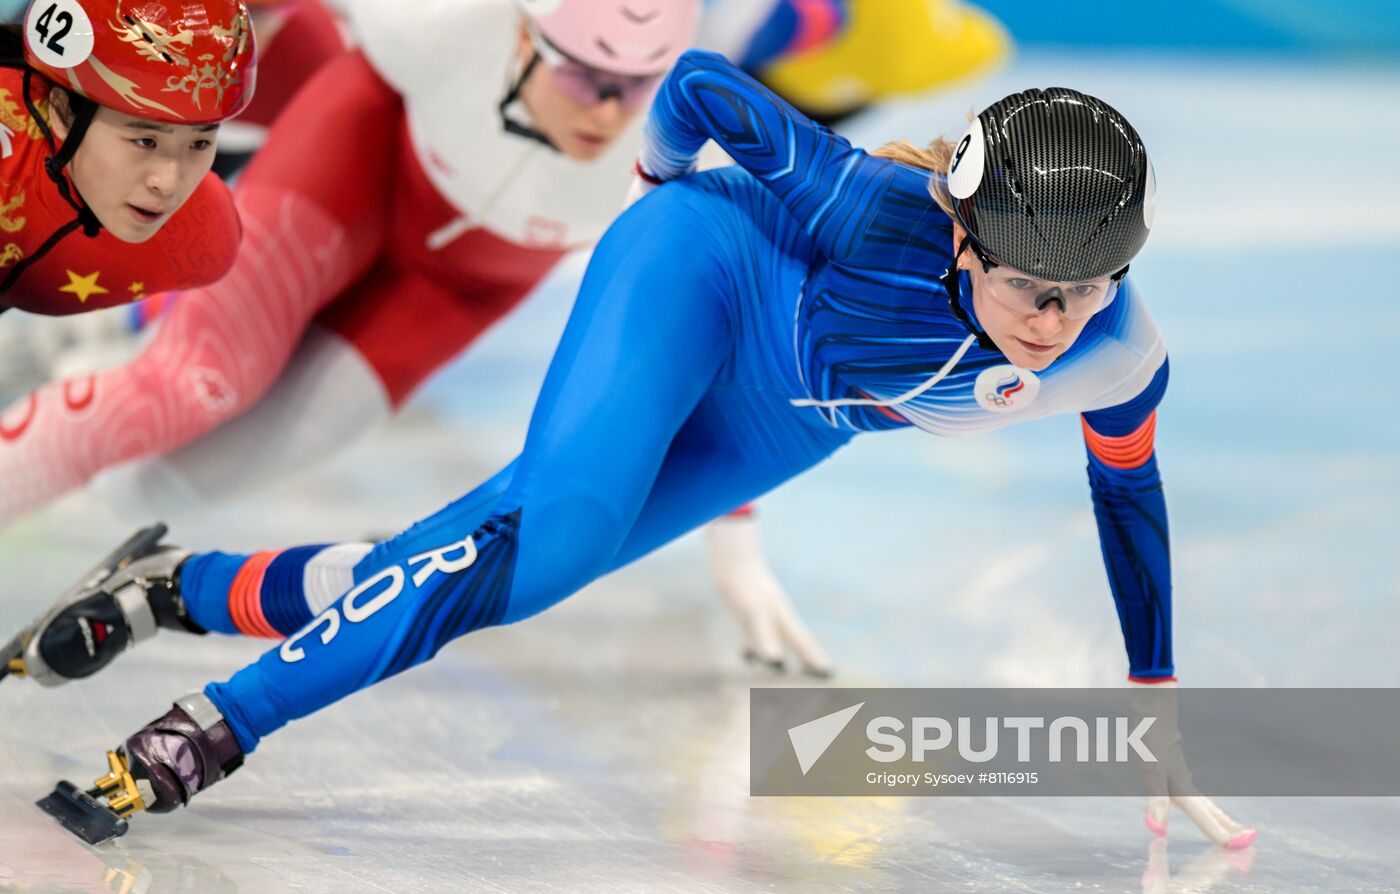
(749, 588)
(642, 183)
(1169, 780)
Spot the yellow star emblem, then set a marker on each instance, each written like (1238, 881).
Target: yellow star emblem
(136, 287)
(83, 286)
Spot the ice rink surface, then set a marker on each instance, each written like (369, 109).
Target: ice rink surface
(602, 747)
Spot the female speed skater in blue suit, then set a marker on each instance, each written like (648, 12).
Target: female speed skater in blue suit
(734, 329)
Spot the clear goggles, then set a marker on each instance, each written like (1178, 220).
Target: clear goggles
(1026, 295)
(587, 85)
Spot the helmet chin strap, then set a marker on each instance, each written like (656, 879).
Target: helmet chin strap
(53, 166)
(952, 284)
(509, 124)
(83, 113)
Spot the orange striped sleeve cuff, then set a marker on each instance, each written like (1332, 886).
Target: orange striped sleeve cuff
(1128, 451)
(245, 597)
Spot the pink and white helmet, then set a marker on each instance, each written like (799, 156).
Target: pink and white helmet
(629, 37)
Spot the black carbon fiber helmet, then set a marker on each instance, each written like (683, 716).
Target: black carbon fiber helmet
(1054, 183)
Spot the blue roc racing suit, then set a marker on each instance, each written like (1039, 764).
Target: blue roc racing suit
(733, 329)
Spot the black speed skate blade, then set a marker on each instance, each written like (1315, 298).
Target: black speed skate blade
(82, 814)
(136, 546)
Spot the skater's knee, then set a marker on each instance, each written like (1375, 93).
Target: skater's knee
(564, 546)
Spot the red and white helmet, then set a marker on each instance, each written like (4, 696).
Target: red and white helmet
(629, 37)
(174, 61)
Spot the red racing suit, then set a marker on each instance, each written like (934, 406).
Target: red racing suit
(49, 264)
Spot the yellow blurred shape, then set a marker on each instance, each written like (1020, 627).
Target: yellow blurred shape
(891, 47)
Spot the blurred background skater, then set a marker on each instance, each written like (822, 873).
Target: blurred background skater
(833, 58)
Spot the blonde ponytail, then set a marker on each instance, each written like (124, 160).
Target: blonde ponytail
(936, 158)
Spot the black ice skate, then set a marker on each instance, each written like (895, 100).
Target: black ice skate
(158, 770)
(125, 599)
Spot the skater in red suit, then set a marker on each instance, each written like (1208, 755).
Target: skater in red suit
(108, 122)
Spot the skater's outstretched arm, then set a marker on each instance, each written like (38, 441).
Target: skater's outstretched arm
(1132, 519)
(771, 628)
(826, 183)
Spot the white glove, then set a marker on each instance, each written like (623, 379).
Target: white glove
(1171, 776)
(749, 588)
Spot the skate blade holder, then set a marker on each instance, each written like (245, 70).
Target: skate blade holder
(83, 814)
(12, 658)
(14, 668)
